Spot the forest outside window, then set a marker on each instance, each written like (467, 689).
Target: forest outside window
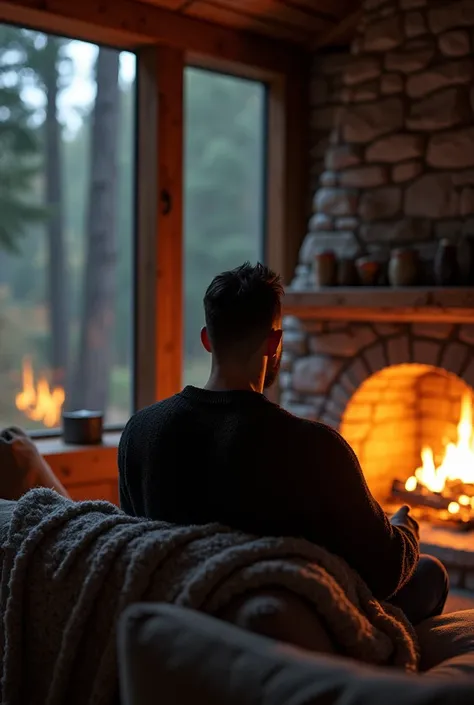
(67, 169)
(225, 157)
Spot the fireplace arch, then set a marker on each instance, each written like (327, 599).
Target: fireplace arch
(390, 345)
(395, 413)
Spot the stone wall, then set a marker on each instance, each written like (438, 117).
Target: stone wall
(393, 133)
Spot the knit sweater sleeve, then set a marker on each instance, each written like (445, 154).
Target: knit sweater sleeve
(358, 529)
(124, 460)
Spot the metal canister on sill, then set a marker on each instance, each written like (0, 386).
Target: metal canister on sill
(82, 427)
(325, 268)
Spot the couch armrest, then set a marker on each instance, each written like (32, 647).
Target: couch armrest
(177, 656)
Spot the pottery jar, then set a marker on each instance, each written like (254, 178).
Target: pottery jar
(446, 267)
(346, 272)
(403, 267)
(368, 270)
(325, 267)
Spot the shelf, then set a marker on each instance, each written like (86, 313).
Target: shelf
(440, 305)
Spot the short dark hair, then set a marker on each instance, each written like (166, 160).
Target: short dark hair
(240, 306)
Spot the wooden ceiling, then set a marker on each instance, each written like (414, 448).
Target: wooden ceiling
(309, 23)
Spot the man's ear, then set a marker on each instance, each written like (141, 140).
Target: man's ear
(274, 340)
(205, 339)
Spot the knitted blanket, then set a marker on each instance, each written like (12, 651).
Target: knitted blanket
(68, 570)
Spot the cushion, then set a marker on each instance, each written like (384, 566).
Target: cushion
(447, 644)
(193, 659)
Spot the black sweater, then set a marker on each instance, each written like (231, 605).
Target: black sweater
(238, 459)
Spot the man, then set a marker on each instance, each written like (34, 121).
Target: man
(226, 454)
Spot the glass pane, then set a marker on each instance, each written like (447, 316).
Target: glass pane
(224, 192)
(67, 113)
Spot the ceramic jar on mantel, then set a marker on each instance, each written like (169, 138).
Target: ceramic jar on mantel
(403, 267)
(346, 272)
(446, 267)
(325, 268)
(368, 270)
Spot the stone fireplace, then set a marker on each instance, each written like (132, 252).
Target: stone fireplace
(392, 156)
(391, 377)
(392, 133)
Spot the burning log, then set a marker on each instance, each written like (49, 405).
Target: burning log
(419, 497)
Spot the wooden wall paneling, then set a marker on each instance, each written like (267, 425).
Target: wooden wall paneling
(277, 13)
(234, 17)
(86, 472)
(166, 4)
(131, 24)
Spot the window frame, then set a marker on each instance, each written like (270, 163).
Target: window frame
(165, 43)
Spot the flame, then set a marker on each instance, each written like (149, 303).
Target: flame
(457, 464)
(37, 400)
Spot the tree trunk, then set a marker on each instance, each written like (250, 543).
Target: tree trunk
(58, 277)
(90, 389)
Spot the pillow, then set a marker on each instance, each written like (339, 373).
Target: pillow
(172, 655)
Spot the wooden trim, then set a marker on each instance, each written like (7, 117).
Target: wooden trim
(341, 33)
(169, 256)
(130, 24)
(276, 205)
(298, 203)
(287, 171)
(442, 305)
(159, 257)
(146, 237)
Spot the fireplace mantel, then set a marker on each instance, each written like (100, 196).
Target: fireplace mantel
(414, 304)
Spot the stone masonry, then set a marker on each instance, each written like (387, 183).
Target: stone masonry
(392, 126)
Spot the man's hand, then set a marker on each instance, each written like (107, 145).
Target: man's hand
(402, 517)
(22, 467)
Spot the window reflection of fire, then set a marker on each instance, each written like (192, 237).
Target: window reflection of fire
(37, 400)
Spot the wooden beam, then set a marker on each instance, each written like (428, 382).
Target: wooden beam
(276, 174)
(342, 33)
(130, 24)
(297, 197)
(437, 305)
(146, 234)
(159, 256)
(169, 257)
(287, 171)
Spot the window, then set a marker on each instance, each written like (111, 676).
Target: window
(224, 192)
(67, 114)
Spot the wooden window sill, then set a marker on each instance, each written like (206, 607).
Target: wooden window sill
(55, 446)
(87, 472)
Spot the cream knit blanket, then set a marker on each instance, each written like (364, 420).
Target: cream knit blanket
(69, 569)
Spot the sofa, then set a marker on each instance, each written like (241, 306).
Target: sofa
(173, 656)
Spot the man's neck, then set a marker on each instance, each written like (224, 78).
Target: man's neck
(219, 382)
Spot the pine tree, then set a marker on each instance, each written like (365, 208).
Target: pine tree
(19, 140)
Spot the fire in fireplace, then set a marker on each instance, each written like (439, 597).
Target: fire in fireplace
(38, 400)
(453, 477)
(411, 412)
